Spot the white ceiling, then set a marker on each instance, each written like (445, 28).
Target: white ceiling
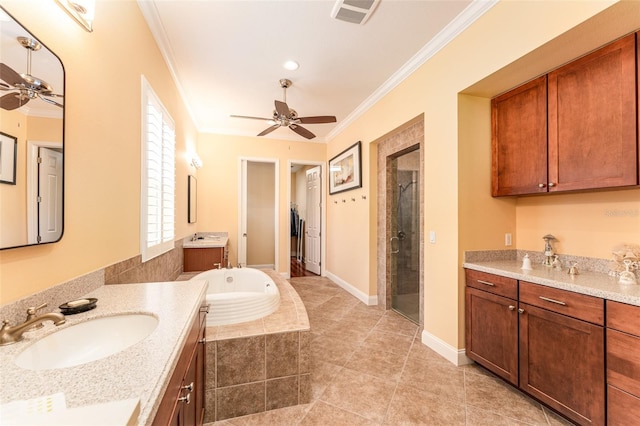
(227, 55)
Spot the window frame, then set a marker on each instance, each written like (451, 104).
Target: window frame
(165, 242)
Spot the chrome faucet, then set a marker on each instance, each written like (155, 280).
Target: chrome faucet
(195, 237)
(12, 334)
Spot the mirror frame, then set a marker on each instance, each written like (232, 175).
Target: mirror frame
(192, 204)
(3, 10)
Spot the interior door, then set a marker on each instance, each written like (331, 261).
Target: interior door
(49, 196)
(313, 220)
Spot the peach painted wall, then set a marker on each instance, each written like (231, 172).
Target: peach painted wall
(458, 206)
(218, 183)
(102, 144)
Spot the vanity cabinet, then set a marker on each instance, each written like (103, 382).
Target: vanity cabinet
(573, 129)
(561, 347)
(492, 323)
(183, 401)
(203, 259)
(623, 363)
(546, 341)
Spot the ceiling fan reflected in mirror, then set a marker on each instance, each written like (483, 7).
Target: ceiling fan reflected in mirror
(283, 116)
(24, 87)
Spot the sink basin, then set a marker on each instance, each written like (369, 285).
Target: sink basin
(87, 341)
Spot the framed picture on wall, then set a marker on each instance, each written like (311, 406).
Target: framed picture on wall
(345, 170)
(8, 154)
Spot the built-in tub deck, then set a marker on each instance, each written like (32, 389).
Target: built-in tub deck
(259, 365)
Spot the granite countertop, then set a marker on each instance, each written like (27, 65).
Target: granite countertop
(207, 240)
(587, 282)
(140, 371)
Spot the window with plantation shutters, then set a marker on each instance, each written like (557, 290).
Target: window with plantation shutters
(157, 210)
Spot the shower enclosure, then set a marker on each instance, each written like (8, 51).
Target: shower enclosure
(405, 234)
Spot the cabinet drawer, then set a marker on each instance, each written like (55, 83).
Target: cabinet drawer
(623, 409)
(503, 286)
(623, 317)
(576, 305)
(623, 361)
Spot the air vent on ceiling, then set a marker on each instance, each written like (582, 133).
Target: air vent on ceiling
(354, 11)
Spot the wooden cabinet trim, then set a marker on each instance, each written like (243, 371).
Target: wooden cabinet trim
(576, 305)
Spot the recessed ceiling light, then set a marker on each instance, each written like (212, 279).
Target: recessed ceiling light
(291, 65)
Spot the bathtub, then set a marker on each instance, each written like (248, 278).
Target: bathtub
(239, 295)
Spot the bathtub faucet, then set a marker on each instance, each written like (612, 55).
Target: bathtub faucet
(229, 265)
(217, 265)
(239, 265)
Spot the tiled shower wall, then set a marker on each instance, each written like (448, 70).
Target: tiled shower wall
(258, 373)
(391, 146)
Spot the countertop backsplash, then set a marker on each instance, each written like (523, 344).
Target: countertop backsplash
(584, 264)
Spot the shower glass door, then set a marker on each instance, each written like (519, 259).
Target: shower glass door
(405, 234)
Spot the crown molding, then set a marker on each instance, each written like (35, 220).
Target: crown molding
(468, 16)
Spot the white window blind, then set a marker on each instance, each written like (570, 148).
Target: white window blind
(157, 213)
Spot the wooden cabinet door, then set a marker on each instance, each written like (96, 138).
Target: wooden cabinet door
(592, 120)
(203, 259)
(492, 333)
(623, 409)
(519, 140)
(562, 363)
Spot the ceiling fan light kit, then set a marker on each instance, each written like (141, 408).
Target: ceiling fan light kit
(283, 116)
(24, 87)
(354, 11)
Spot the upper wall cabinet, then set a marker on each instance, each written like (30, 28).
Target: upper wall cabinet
(588, 123)
(519, 140)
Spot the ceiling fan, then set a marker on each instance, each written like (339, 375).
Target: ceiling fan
(24, 87)
(283, 116)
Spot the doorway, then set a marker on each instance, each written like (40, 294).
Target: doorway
(44, 192)
(257, 242)
(405, 234)
(305, 199)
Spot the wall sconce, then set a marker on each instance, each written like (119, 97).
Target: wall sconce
(196, 161)
(83, 11)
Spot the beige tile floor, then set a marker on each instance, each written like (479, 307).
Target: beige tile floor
(369, 367)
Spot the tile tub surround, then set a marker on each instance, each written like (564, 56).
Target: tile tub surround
(259, 365)
(142, 370)
(368, 367)
(586, 282)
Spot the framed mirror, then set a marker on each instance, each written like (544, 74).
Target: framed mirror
(32, 87)
(192, 191)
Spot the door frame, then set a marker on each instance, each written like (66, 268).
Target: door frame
(242, 206)
(323, 207)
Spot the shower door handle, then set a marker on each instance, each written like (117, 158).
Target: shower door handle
(391, 241)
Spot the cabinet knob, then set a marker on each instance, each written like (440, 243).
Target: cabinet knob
(551, 184)
(541, 185)
(188, 387)
(186, 399)
(521, 311)
(511, 307)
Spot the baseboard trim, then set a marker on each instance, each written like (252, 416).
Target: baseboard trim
(363, 297)
(448, 352)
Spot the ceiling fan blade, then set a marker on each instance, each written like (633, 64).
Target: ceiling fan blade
(50, 101)
(269, 130)
(8, 75)
(252, 118)
(318, 119)
(12, 101)
(283, 109)
(302, 131)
